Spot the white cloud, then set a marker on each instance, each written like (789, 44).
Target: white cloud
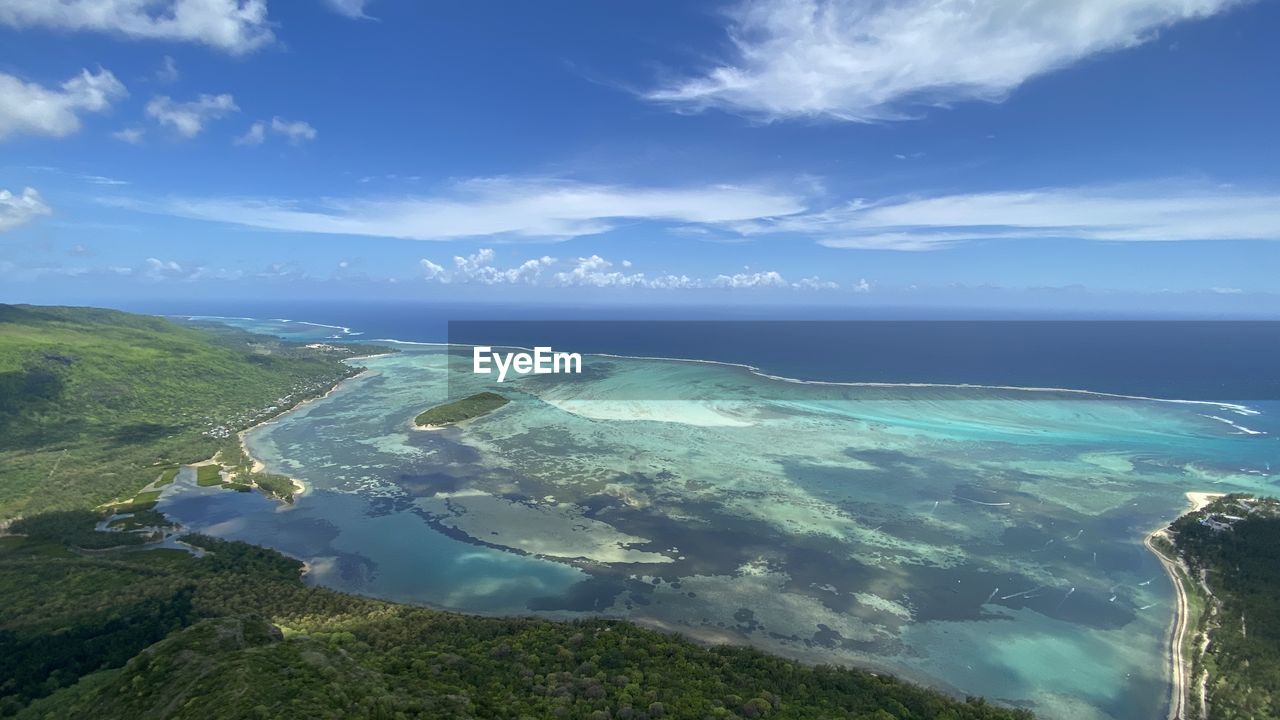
(815, 283)
(354, 9)
(511, 208)
(594, 271)
(37, 110)
(234, 26)
(18, 210)
(256, 133)
(873, 60)
(132, 136)
(431, 271)
(296, 131)
(750, 280)
(157, 269)
(168, 71)
(102, 180)
(479, 268)
(1132, 213)
(863, 286)
(189, 118)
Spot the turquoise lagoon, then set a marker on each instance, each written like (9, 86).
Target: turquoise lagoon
(981, 541)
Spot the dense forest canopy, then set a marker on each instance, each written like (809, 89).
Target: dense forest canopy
(1233, 544)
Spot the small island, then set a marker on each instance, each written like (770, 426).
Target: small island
(468, 408)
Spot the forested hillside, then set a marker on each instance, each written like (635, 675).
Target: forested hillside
(236, 634)
(94, 404)
(1233, 546)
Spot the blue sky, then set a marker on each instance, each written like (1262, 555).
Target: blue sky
(1112, 154)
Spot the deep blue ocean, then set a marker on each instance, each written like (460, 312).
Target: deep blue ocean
(1225, 361)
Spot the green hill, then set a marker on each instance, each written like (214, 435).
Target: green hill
(236, 634)
(95, 404)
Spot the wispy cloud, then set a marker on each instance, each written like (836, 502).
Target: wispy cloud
(234, 26)
(295, 131)
(20, 209)
(189, 118)
(871, 60)
(131, 135)
(507, 208)
(82, 176)
(168, 71)
(33, 109)
(255, 135)
(354, 9)
(1147, 212)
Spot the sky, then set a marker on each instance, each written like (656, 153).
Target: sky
(1113, 155)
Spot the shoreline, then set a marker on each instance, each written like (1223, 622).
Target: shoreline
(300, 487)
(1173, 567)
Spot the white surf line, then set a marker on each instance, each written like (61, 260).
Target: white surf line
(211, 317)
(345, 330)
(1233, 407)
(1244, 430)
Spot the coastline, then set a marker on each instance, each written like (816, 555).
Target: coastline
(300, 487)
(1174, 568)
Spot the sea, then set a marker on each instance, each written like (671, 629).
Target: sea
(960, 501)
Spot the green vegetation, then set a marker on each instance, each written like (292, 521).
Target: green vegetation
(94, 404)
(209, 475)
(235, 634)
(239, 468)
(142, 501)
(277, 485)
(140, 520)
(168, 476)
(1230, 549)
(459, 410)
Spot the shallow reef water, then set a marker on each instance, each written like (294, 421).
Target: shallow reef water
(983, 541)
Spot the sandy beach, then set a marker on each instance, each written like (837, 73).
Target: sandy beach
(300, 488)
(1177, 635)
